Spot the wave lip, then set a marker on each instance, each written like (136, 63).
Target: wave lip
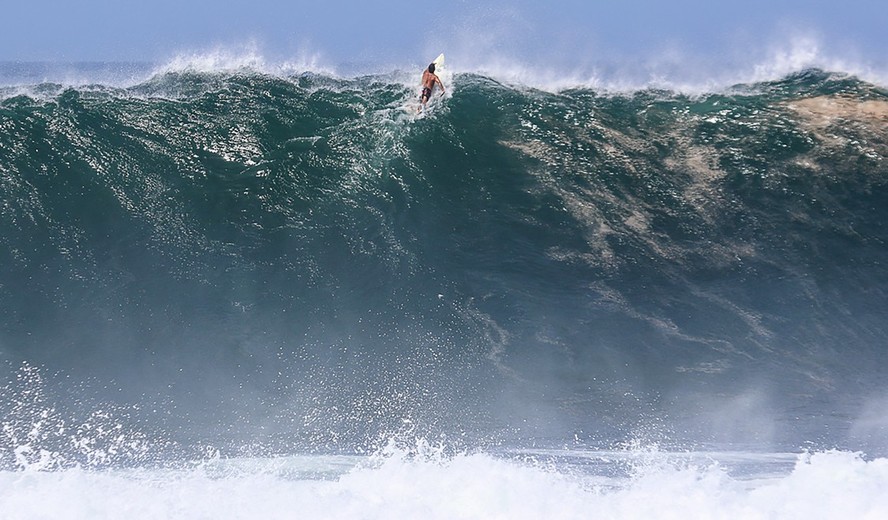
(669, 69)
(249, 59)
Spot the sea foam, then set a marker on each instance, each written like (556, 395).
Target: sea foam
(410, 485)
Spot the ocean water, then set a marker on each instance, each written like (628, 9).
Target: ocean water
(234, 292)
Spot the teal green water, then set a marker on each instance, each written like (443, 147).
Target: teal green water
(243, 256)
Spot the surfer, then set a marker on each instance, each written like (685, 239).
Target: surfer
(429, 78)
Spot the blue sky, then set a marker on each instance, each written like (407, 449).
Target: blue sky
(567, 33)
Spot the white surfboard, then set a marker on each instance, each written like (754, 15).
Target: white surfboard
(439, 61)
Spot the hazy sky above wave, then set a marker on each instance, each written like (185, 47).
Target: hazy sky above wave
(558, 34)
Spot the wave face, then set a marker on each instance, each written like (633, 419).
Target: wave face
(238, 257)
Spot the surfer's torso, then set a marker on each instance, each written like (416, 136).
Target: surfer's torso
(429, 79)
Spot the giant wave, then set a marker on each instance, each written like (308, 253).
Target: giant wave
(297, 264)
